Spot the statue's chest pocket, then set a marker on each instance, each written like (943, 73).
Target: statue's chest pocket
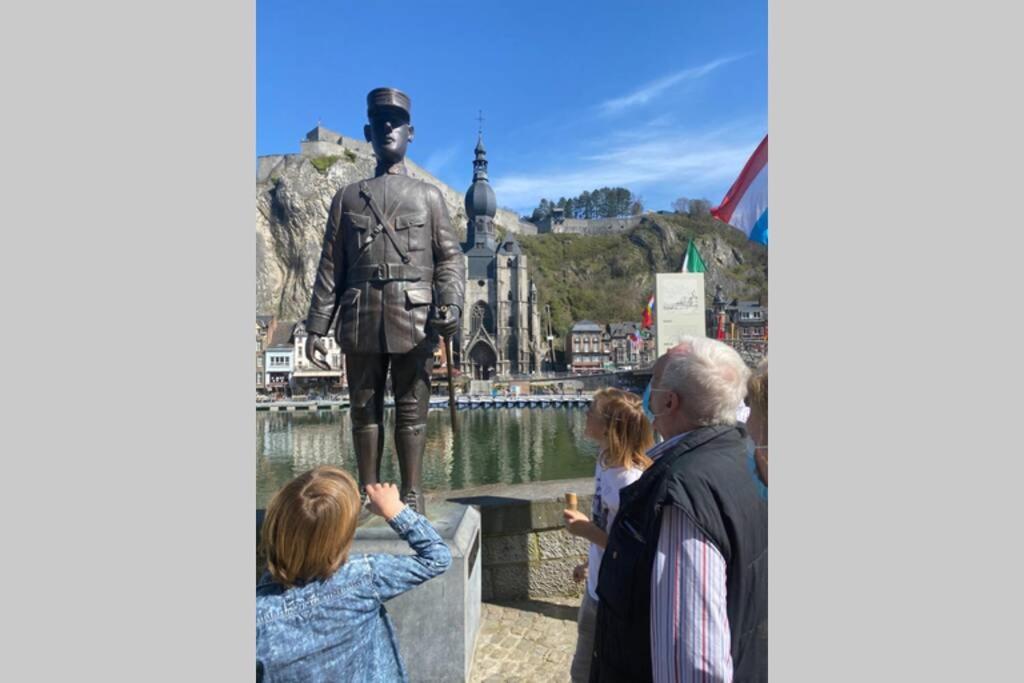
(363, 229)
(412, 231)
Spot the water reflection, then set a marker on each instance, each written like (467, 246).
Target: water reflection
(510, 445)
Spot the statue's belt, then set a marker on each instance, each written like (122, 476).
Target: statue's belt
(385, 272)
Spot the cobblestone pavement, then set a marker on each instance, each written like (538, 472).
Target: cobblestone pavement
(532, 640)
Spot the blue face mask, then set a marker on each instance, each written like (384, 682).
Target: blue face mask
(647, 403)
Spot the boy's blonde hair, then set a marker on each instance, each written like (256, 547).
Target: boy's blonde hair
(627, 430)
(309, 526)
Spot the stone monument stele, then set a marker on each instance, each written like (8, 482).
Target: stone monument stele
(678, 308)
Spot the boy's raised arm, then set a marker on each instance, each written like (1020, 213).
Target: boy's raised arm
(395, 574)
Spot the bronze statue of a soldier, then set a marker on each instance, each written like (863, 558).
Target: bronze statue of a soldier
(390, 264)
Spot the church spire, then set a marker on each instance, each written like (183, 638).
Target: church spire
(480, 162)
(480, 200)
(481, 207)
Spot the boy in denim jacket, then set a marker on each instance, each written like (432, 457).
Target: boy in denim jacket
(319, 613)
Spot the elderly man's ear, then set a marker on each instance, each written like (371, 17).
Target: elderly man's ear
(672, 400)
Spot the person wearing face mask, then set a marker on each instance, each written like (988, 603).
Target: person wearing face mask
(646, 403)
(683, 590)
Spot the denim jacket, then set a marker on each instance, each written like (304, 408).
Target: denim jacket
(338, 629)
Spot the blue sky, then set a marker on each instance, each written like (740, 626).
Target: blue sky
(666, 98)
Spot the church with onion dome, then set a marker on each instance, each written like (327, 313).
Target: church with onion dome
(500, 333)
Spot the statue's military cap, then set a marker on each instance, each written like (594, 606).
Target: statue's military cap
(387, 97)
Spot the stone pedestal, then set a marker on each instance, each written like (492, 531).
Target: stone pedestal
(436, 622)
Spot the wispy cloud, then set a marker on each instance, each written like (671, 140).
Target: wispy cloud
(439, 158)
(650, 161)
(653, 89)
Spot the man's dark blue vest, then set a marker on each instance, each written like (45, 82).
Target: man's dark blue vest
(706, 476)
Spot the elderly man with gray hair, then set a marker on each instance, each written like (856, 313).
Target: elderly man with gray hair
(684, 583)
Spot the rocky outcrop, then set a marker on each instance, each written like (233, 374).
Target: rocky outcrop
(738, 266)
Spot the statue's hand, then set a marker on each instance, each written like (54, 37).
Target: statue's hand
(447, 321)
(314, 343)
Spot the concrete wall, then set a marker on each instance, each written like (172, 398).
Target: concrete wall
(594, 226)
(524, 227)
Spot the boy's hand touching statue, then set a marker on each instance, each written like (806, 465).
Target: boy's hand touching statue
(384, 500)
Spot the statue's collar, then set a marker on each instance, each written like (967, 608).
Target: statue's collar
(393, 169)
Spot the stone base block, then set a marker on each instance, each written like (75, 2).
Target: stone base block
(437, 622)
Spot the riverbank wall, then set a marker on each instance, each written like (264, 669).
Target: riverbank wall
(526, 551)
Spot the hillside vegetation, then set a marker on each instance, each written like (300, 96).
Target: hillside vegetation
(609, 278)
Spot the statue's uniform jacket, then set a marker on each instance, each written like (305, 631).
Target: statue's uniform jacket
(382, 304)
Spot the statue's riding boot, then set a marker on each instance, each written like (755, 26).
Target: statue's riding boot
(369, 446)
(410, 442)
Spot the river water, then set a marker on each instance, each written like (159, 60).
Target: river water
(494, 445)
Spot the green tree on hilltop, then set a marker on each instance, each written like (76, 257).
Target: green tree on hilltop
(695, 208)
(700, 207)
(605, 202)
